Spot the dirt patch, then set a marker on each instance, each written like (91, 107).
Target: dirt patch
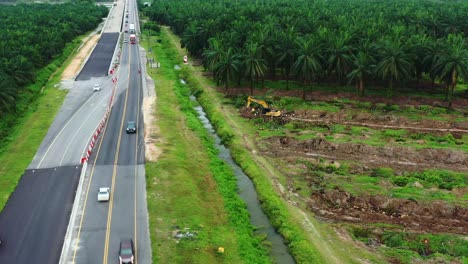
(342, 206)
(152, 152)
(399, 158)
(435, 217)
(378, 121)
(84, 51)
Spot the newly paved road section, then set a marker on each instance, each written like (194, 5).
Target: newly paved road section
(33, 223)
(35, 219)
(118, 164)
(99, 61)
(69, 134)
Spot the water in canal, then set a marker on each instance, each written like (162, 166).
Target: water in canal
(279, 250)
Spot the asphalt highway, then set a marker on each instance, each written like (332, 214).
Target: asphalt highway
(118, 163)
(33, 224)
(28, 232)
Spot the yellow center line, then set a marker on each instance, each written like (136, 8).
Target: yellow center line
(114, 174)
(87, 191)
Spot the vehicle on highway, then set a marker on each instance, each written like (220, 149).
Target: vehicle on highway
(126, 251)
(97, 87)
(125, 40)
(132, 38)
(131, 127)
(103, 194)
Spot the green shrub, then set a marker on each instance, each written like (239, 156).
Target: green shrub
(443, 179)
(394, 239)
(390, 108)
(401, 181)
(361, 232)
(395, 132)
(338, 128)
(382, 172)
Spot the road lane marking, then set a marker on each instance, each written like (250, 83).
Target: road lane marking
(87, 192)
(60, 132)
(89, 185)
(78, 130)
(114, 175)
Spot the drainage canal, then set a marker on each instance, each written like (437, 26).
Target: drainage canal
(279, 251)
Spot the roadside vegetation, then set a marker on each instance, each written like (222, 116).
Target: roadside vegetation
(373, 133)
(286, 222)
(392, 45)
(31, 124)
(36, 36)
(36, 46)
(189, 188)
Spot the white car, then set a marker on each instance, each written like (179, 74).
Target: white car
(103, 194)
(125, 40)
(97, 87)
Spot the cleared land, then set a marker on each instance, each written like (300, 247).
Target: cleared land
(388, 175)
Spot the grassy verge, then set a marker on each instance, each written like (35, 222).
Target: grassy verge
(38, 106)
(289, 224)
(189, 186)
(235, 133)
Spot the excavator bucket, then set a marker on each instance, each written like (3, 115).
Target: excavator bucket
(273, 113)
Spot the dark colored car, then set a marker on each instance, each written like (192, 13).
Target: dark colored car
(131, 127)
(126, 252)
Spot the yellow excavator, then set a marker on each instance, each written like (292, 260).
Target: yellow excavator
(265, 108)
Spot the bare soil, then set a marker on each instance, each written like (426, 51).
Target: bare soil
(84, 51)
(152, 152)
(435, 217)
(339, 205)
(398, 158)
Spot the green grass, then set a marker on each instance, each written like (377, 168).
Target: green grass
(233, 130)
(368, 136)
(402, 246)
(41, 102)
(436, 184)
(189, 186)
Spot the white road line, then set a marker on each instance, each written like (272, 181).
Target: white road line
(79, 129)
(61, 131)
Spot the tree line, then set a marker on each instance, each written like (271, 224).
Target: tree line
(32, 36)
(388, 42)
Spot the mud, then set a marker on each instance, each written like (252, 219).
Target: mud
(435, 217)
(341, 206)
(380, 121)
(399, 158)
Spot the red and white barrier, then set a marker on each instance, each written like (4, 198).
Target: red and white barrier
(102, 124)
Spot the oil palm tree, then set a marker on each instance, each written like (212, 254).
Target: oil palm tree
(340, 59)
(452, 63)
(213, 54)
(253, 63)
(228, 67)
(395, 64)
(308, 63)
(287, 48)
(362, 68)
(7, 92)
